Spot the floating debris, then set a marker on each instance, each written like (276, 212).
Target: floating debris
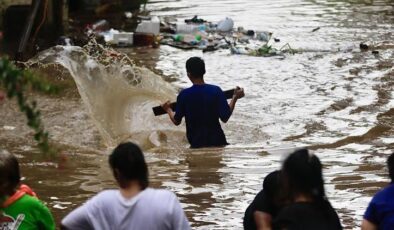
(316, 29)
(364, 47)
(9, 128)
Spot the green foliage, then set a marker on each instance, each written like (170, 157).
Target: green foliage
(16, 83)
(266, 50)
(143, 2)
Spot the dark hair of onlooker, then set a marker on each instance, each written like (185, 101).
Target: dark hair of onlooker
(195, 66)
(128, 164)
(9, 172)
(302, 174)
(390, 164)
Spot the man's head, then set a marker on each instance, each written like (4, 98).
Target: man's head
(128, 165)
(9, 173)
(195, 67)
(390, 164)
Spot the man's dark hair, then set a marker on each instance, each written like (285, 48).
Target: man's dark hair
(195, 66)
(128, 163)
(9, 172)
(390, 164)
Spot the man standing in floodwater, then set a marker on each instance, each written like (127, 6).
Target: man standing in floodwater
(202, 105)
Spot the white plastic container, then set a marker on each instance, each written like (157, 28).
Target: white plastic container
(149, 26)
(226, 25)
(182, 28)
(123, 38)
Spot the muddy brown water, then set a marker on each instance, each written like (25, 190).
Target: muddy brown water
(332, 97)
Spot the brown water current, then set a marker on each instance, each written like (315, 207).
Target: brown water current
(331, 97)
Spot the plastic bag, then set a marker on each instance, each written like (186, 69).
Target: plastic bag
(226, 25)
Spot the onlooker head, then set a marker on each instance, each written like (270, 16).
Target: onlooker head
(302, 174)
(265, 206)
(128, 165)
(9, 173)
(195, 67)
(304, 200)
(380, 211)
(19, 208)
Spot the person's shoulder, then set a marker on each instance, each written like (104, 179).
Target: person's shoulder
(159, 193)
(385, 193)
(30, 201)
(106, 196)
(215, 87)
(185, 91)
(160, 196)
(32, 204)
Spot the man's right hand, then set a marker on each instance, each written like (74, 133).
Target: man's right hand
(167, 107)
(238, 93)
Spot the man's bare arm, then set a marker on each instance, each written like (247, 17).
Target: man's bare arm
(367, 225)
(166, 106)
(263, 220)
(238, 93)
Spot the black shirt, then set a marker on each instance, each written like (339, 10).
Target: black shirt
(307, 216)
(265, 201)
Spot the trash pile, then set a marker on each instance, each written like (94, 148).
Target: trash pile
(194, 33)
(197, 33)
(146, 33)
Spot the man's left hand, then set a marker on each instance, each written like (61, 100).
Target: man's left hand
(238, 93)
(166, 106)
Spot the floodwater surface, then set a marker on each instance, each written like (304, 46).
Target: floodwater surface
(330, 97)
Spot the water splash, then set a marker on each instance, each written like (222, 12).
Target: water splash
(118, 94)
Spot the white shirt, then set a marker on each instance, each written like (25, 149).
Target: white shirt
(151, 209)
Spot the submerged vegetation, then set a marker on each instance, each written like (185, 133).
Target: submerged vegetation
(17, 83)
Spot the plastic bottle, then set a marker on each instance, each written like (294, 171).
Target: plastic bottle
(183, 28)
(202, 27)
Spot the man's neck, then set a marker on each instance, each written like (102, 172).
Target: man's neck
(198, 81)
(131, 191)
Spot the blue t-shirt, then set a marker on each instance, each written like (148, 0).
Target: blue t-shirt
(380, 210)
(202, 106)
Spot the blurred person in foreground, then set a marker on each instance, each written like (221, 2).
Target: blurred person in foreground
(202, 105)
(134, 206)
(265, 206)
(380, 211)
(20, 209)
(305, 205)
